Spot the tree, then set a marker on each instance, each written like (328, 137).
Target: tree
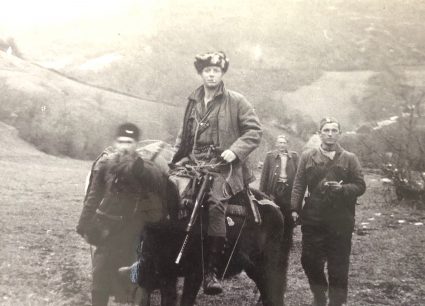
(395, 109)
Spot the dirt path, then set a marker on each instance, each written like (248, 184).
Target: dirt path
(44, 262)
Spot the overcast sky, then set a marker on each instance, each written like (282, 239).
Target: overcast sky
(26, 13)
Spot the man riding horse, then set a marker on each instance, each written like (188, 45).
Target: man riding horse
(219, 127)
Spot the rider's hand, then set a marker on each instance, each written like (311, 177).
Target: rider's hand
(295, 217)
(228, 156)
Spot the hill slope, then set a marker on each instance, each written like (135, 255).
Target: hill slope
(48, 108)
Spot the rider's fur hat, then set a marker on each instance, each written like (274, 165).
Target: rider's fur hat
(128, 130)
(218, 59)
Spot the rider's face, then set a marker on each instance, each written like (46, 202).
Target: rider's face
(125, 145)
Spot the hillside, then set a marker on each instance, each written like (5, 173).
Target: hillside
(276, 48)
(63, 116)
(12, 146)
(333, 94)
(294, 64)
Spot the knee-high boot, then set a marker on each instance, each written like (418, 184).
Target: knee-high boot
(215, 249)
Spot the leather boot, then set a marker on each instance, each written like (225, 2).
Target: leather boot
(215, 248)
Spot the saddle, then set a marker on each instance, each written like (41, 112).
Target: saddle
(243, 204)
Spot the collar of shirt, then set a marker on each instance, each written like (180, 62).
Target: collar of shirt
(279, 154)
(328, 154)
(199, 93)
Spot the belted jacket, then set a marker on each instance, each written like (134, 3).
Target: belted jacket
(272, 169)
(236, 128)
(321, 205)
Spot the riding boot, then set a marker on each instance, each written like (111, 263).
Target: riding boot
(99, 298)
(215, 248)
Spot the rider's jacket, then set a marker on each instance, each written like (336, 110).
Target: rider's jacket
(234, 126)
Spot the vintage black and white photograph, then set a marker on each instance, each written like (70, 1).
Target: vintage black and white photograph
(227, 152)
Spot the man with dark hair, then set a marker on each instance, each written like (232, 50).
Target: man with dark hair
(334, 180)
(277, 177)
(125, 192)
(219, 125)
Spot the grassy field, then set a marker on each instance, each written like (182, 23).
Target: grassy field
(44, 262)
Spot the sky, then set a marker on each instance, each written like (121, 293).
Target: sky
(27, 13)
(36, 25)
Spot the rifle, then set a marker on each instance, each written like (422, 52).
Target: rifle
(206, 183)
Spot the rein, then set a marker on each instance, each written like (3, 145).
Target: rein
(234, 248)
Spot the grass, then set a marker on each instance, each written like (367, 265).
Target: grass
(44, 262)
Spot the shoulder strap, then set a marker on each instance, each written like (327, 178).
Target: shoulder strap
(331, 164)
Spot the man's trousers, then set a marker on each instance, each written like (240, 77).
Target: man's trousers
(320, 244)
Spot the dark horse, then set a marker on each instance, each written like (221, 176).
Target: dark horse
(262, 251)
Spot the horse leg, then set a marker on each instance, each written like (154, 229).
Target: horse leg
(285, 249)
(192, 284)
(271, 287)
(275, 275)
(169, 292)
(260, 283)
(269, 274)
(145, 297)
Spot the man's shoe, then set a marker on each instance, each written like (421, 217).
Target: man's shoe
(211, 284)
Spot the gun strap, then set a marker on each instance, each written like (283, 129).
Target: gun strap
(330, 166)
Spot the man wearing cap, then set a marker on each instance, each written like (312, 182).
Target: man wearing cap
(334, 180)
(277, 177)
(219, 125)
(124, 193)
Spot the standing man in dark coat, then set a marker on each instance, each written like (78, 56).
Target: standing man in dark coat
(218, 125)
(334, 180)
(277, 178)
(124, 193)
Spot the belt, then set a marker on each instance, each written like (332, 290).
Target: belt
(283, 182)
(281, 188)
(204, 149)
